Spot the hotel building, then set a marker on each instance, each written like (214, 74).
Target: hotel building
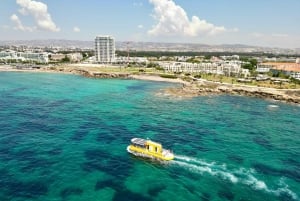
(104, 49)
(10, 55)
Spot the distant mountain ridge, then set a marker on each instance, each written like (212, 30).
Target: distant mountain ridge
(151, 46)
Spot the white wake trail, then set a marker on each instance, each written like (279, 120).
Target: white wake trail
(241, 175)
(201, 166)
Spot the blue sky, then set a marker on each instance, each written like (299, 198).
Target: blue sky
(272, 23)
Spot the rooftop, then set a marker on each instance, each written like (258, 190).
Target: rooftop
(294, 67)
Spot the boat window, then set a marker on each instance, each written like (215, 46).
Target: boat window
(155, 149)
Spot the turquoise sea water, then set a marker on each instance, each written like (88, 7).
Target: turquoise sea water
(64, 138)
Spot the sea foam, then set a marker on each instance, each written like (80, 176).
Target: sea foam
(242, 175)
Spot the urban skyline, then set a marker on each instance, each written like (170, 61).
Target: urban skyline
(269, 24)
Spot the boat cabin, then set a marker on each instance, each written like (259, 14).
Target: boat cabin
(147, 144)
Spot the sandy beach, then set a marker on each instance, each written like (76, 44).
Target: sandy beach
(157, 79)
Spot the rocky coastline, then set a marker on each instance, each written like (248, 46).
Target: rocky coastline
(188, 89)
(204, 88)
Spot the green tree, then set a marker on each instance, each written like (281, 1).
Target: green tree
(152, 65)
(207, 57)
(253, 62)
(250, 63)
(66, 59)
(193, 60)
(248, 66)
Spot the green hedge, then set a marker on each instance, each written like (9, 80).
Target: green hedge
(168, 76)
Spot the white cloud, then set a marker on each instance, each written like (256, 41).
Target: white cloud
(76, 29)
(40, 13)
(140, 26)
(23, 11)
(173, 20)
(18, 24)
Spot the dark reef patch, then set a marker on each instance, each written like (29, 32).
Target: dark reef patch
(37, 164)
(235, 158)
(14, 188)
(290, 173)
(100, 160)
(5, 153)
(154, 191)
(112, 133)
(137, 87)
(226, 194)
(105, 136)
(205, 197)
(81, 132)
(284, 196)
(58, 103)
(293, 162)
(29, 189)
(25, 155)
(36, 126)
(111, 183)
(29, 160)
(263, 142)
(126, 195)
(55, 151)
(71, 191)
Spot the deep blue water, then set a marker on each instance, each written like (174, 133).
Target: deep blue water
(64, 138)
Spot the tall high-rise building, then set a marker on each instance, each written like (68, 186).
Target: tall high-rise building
(104, 49)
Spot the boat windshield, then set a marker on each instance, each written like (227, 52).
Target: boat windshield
(138, 142)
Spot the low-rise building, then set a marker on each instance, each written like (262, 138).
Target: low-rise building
(75, 57)
(131, 60)
(289, 69)
(24, 56)
(263, 68)
(221, 67)
(295, 75)
(57, 57)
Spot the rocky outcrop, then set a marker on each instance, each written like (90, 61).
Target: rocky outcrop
(268, 93)
(89, 73)
(206, 88)
(107, 75)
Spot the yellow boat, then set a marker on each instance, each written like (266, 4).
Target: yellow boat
(149, 149)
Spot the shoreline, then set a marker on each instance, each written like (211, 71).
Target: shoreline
(205, 88)
(189, 89)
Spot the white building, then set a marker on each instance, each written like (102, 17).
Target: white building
(221, 67)
(131, 59)
(295, 75)
(104, 49)
(75, 57)
(24, 56)
(263, 68)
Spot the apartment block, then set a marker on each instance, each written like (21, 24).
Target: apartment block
(105, 49)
